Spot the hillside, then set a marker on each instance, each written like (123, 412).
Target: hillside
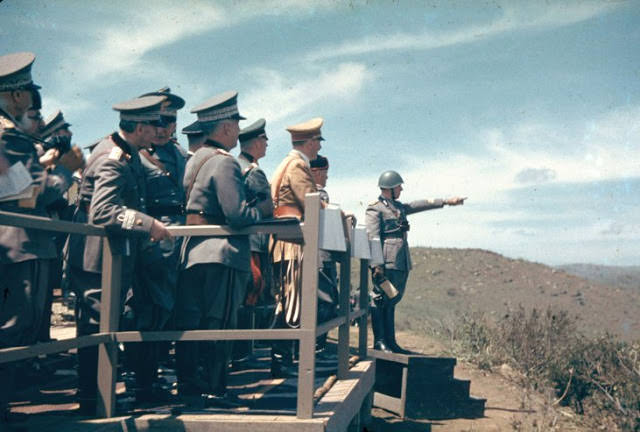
(447, 283)
(627, 277)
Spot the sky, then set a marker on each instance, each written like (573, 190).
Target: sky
(530, 109)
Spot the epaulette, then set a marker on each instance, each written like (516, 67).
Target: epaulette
(372, 203)
(6, 123)
(118, 154)
(224, 152)
(249, 168)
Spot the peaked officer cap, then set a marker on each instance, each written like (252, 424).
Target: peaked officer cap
(307, 130)
(146, 108)
(255, 129)
(54, 123)
(173, 102)
(15, 71)
(221, 107)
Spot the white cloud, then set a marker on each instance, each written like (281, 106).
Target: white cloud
(280, 96)
(522, 17)
(603, 148)
(143, 27)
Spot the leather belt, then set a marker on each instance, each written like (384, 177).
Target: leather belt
(204, 219)
(287, 211)
(165, 210)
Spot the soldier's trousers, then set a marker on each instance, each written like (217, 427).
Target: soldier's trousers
(23, 289)
(88, 289)
(209, 297)
(383, 311)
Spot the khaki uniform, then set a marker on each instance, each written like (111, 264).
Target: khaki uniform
(296, 182)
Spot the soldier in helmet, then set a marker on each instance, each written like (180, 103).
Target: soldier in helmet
(386, 220)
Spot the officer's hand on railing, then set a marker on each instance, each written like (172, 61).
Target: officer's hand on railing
(72, 160)
(159, 231)
(455, 201)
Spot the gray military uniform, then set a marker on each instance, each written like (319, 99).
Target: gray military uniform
(218, 194)
(387, 220)
(164, 173)
(111, 195)
(216, 269)
(257, 189)
(25, 254)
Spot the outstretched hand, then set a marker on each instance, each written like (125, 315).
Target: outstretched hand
(455, 201)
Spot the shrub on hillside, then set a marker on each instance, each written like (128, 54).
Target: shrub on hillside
(596, 377)
(599, 377)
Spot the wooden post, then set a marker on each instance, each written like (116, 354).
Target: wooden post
(364, 305)
(309, 306)
(109, 321)
(343, 330)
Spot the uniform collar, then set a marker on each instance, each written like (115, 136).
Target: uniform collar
(213, 143)
(298, 153)
(247, 156)
(120, 142)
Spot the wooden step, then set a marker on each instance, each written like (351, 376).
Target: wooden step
(416, 386)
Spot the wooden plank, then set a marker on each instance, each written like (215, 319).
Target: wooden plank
(109, 321)
(364, 308)
(343, 330)
(389, 403)
(357, 314)
(288, 232)
(199, 335)
(48, 224)
(343, 402)
(330, 325)
(25, 352)
(308, 320)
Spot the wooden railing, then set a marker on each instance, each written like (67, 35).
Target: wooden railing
(108, 337)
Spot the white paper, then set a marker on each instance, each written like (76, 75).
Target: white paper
(360, 243)
(15, 181)
(331, 229)
(376, 252)
(28, 193)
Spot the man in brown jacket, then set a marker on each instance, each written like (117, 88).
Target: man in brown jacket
(291, 181)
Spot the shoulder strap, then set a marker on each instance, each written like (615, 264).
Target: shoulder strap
(199, 167)
(276, 201)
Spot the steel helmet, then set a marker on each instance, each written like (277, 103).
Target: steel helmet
(389, 180)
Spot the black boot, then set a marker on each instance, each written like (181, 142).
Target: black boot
(390, 330)
(378, 327)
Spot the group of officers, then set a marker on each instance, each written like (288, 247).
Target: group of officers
(136, 182)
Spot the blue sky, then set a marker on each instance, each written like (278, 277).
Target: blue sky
(531, 109)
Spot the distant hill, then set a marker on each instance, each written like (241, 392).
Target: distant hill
(627, 277)
(446, 283)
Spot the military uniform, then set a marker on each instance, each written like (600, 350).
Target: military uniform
(290, 183)
(112, 194)
(215, 271)
(164, 167)
(386, 219)
(25, 254)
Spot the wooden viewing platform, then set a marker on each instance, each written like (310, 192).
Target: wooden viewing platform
(341, 408)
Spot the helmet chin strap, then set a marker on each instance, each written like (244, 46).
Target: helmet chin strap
(393, 194)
